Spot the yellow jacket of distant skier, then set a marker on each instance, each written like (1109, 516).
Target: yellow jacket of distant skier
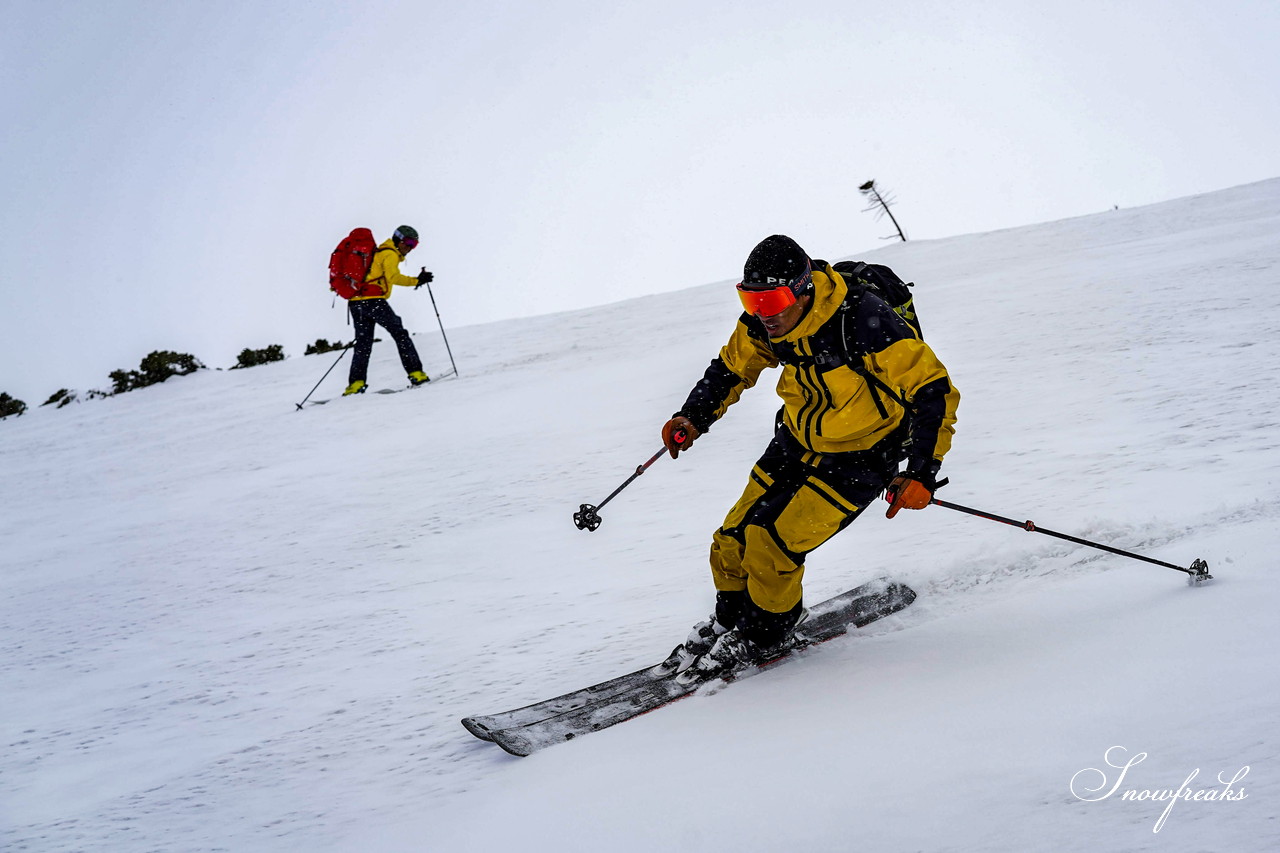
(385, 271)
(852, 373)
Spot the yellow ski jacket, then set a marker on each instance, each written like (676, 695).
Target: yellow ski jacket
(853, 372)
(385, 271)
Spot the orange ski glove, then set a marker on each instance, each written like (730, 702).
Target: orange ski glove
(909, 492)
(678, 433)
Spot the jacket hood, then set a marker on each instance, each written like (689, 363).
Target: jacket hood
(829, 292)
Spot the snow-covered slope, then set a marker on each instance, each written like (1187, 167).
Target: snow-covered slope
(229, 625)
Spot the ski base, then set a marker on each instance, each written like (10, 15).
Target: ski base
(523, 731)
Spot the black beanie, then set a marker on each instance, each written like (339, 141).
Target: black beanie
(777, 260)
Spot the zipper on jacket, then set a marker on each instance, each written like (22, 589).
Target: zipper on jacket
(827, 396)
(806, 377)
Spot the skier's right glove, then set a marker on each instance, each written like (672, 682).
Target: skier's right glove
(678, 433)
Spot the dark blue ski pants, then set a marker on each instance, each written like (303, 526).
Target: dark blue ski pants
(365, 314)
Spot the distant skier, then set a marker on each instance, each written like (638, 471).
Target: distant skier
(366, 311)
(848, 365)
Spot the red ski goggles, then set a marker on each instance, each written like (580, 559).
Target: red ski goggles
(766, 303)
(775, 300)
(409, 243)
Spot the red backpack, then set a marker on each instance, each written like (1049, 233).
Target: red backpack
(349, 265)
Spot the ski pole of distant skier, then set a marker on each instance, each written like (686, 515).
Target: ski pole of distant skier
(441, 322)
(588, 516)
(1196, 575)
(341, 355)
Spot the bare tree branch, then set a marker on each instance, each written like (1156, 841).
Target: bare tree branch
(880, 204)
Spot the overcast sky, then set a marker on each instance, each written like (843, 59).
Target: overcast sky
(176, 173)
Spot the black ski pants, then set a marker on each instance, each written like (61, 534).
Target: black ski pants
(365, 314)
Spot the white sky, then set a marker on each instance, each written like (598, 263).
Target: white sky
(175, 174)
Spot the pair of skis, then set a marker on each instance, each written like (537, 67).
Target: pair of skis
(526, 730)
(433, 381)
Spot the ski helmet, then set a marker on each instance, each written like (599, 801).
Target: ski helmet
(406, 234)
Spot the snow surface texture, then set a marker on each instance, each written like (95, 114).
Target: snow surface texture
(229, 625)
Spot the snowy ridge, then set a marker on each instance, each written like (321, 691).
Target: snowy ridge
(228, 625)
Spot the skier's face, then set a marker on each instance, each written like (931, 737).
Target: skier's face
(787, 319)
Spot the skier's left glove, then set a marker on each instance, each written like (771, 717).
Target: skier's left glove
(911, 490)
(425, 277)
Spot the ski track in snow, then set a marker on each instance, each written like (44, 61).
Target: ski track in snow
(228, 625)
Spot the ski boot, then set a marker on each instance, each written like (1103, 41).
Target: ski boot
(732, 653)
(356, 387)
(418, 378)
(729, 654)
(700, 640)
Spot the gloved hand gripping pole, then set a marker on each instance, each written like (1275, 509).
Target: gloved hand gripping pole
(588, 516)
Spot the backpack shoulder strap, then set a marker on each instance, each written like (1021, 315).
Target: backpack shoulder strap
(851, 305)
(850, 271)
(371, 257)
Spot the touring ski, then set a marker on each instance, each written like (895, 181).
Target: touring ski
(433, 381)
(525, 730)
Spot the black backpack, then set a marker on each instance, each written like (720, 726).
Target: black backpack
(884, 283)
(861, 277)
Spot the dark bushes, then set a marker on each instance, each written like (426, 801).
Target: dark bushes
(322, 346)
(10, 406)
(254, 357)
(154, 369)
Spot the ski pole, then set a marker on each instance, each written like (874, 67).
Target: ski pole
(588, 517)
(441, 322)
(1196, 575)
(341, 355)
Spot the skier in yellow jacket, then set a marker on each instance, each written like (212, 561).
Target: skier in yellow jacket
(861, 392)
(366, 311)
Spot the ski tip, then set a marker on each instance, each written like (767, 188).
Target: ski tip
(513, 744)
(477, 728)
